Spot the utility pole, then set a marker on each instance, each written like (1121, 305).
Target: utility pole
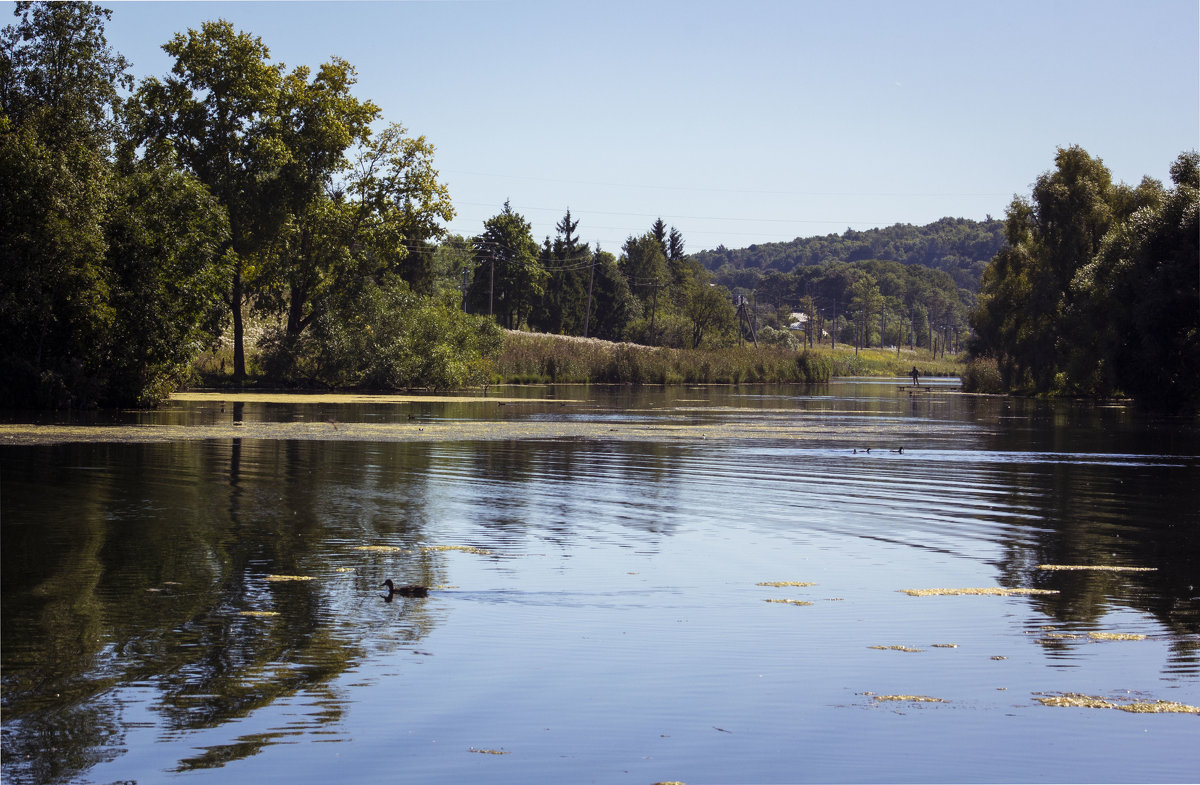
(464, 289)
(587, 314)
(654, 309)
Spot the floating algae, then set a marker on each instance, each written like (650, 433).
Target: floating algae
(485, 751)
(1116, 636)
(264, 614)
(791, 602)
(785, 583)
(993, 591)
(945, 645)
(378, 548)
(1095, 567)
(1075, 700)
(894, 648)
(282, 578)
(909, 698)
(463, 548)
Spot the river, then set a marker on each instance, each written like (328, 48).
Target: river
(694, 584)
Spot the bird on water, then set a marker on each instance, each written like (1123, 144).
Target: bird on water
(410, 590)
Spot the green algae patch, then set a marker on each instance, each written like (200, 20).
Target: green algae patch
(779, 584)
(895, 648)
(992, 591)
(791, 602)
(1093, 567)
(1076, 700)
(909, 698)
(286, 578)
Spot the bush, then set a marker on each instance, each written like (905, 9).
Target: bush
(982, 375)
(387, 338)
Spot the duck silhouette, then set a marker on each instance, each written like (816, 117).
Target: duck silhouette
(409, 590)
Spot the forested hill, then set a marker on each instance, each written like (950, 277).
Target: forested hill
(959, 246)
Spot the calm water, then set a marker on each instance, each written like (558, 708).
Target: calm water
(599, 617)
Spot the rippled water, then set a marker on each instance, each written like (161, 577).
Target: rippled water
(597, 615)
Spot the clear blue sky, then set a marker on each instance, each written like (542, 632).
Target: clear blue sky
(742, 121)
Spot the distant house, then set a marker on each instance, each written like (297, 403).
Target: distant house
(799, 321)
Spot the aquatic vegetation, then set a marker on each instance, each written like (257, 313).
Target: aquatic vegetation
(945, 645)
(1116, 636)
(378, 548)
(1076, 700)
(994, 591)
(894, 648)
(285, 578)
(791, 602)
(485, 751)
(999, 657)
(1094, 567)
(264, 614)
(910, 698)
(785, 583)
(463, 548)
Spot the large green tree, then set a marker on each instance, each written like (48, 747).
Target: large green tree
(1134, 323)
(105, 289)
(1026, 290)
(508, 276)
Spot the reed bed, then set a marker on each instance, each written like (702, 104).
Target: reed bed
(535, 358)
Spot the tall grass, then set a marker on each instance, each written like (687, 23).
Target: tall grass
(540, 358)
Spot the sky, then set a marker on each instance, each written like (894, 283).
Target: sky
(740, 121)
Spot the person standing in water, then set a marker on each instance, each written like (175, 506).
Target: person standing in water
(916, 376)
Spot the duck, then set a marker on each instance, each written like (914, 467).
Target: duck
(409, 590)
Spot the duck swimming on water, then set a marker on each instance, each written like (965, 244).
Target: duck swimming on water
(410, 590)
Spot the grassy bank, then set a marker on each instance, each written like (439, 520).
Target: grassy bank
(538, 358)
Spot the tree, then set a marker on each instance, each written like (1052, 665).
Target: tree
(1026, 289)
(217, 115)
(614, 306)
(107, 286)
(508, 277)
(709, 310)
(1134, 323)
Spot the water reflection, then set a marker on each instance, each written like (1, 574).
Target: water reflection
(140, 581)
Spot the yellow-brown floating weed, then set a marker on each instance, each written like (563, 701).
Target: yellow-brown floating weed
(378, 548)
(791, 602)
(264, 614)
(1116, 636)
(282, 578)
(910, 698)
(1076, 700)
(463, 548)
(485, 751)
(1095, 567)
(993, 591)
(785, 583)
(894, 648)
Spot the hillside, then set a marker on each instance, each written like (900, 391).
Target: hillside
(958, 246)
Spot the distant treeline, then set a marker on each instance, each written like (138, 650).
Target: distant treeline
(958, 246)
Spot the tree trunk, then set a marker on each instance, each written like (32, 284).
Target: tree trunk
(239, 355)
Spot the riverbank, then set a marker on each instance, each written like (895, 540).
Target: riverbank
(539, 358)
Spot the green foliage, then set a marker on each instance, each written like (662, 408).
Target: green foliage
(107, 283)
(509, 277)
(386, 338)
(1096, 293)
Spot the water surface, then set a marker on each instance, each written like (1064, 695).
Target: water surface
(598, 616)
